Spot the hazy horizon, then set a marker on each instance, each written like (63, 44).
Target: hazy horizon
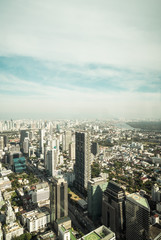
(80, 59)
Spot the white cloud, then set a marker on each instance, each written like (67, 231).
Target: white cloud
(123, 34)
(36, 98)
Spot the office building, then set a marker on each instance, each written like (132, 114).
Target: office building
(67, 139)
(137, 217)
(96, 187)
(51, 161)
(58, 198)
(113, 209)
(19, 164)
(40, 193)
(23, 134)
(94, 148)
(42, 134)
(26, 146)
(72, 151)
(82, 166)
(1, 143)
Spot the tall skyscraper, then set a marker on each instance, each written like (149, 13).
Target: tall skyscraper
(94, 148)
(58, 198)
(137, 217)
(67, 139)
(52, 160)
(96, 187)
(26, 145)
(82, 166)
(23, 134)
(41, 132)
(113, 209)
(72, 151)
(1, 143)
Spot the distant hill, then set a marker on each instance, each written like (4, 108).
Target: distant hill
(146, 125)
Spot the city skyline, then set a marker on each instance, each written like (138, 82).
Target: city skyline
(80, 60)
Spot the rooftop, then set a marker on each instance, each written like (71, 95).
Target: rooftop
(92, 236)
(134, 197)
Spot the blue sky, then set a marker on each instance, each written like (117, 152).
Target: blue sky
(80, 59)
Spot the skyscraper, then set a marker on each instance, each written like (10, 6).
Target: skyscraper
(41, 132)
(67, 139)
(82, 166)
(96, 187)
(137, 217)
(113, 209)
(94, 148)
(23, 134)
(52, 160)
(58, 198)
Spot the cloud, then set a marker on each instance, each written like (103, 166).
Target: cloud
(123, 34)
(81, 57)
(36, 98)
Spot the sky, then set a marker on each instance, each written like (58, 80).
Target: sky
(95, 59)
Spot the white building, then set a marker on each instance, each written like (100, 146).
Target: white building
(5, 183)
(36, 219)
(41, 193)
(72, 151)
(26, 145)
(13, 230)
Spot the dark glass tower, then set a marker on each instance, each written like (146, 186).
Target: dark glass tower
(58, 199)
(113, 209)
(137, 217)
(82, 166)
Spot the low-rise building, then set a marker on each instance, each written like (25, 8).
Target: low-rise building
(36, 219)
(5, 183)
(13, 230)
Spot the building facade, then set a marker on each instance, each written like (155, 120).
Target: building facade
(36, 220)
(96, 187)
(58, 198)
(137, 217)
(82, 166)
(113, 209)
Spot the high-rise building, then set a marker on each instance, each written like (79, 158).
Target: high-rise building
(26, 146)
(82, 166)
(156, 193)
(52, 160)
(41, 132)
(72, 151)
(96, 187)
(58, 198)
(113, 208)
(23, 134)
(137, 217)
(1, 143)
(19, 164)
(67, 139)
(94, 148)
